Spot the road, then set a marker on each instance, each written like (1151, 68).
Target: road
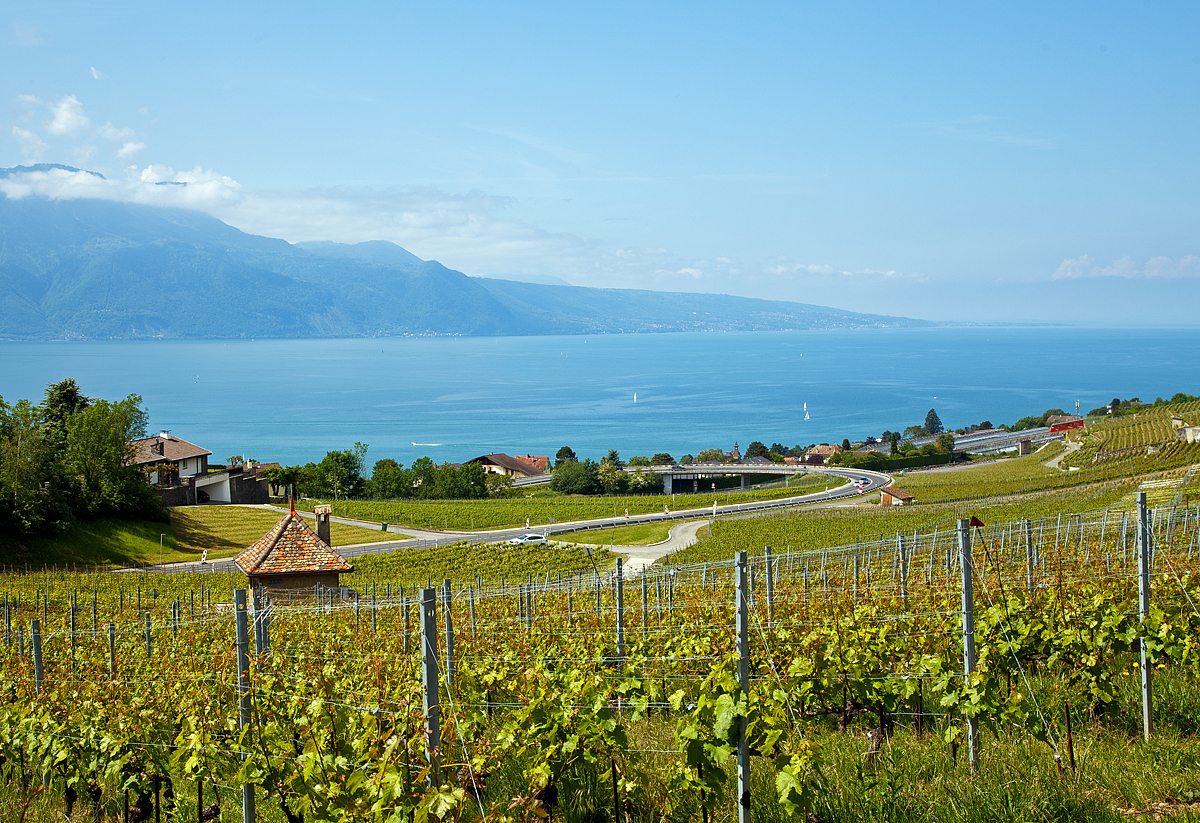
(424, 538)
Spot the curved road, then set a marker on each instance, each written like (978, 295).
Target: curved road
(422, 538)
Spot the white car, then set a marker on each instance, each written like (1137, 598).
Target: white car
(526, 539)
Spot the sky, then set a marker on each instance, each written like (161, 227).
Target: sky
(1018, 162)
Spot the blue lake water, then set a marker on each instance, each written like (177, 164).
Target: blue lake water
(291, 400)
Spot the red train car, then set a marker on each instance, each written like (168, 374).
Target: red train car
(1069, 424)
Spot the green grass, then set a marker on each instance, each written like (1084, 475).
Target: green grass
(95, 542)
(222, 530)
(226, 530)
(641, 534)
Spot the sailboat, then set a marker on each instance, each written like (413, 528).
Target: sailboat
(635, 397)
(805, 409)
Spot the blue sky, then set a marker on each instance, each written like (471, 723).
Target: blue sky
(1001, 162)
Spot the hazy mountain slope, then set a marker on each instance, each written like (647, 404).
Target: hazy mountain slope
(567, 308)
(98, 269)
(105, 269)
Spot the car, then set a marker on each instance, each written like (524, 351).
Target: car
(528, 539)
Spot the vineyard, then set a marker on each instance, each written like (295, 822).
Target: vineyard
(1144, 441)
(786, 685)
(472, 515)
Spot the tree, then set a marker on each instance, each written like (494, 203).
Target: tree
(63, 399)
(757, 449)
(500, 485)
(686, 460)
(289, 478)
(564, 455)
(638, 460)
(390, 480)
(710, 456)
(933, 423)
(914, 431)
(845, 444)
(945, 443)
(575, 477)
(662, 459)
(340, 474)
(645, 483)
(613, 457)
(612, 478)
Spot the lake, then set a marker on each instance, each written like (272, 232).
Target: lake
(457, 398)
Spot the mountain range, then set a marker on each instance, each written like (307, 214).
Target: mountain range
(102, 269)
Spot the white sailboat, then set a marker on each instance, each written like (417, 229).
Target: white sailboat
(635, 397)
(805, 409)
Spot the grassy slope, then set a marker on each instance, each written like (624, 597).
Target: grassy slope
(642, 534)
(226, 530)
(223, 530)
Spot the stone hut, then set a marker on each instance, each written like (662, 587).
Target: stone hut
(291, 556)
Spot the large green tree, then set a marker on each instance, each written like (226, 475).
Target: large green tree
(70, 458)
(933, 423)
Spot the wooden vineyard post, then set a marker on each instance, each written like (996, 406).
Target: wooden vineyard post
(35, 631)
(770, 569)
(1029, 555)
(244, 699)
(407, 623)
(471, 595)
(447, 599)
(968, 633)
(620, 618)
(742, 595)
(645, 601)
(1143, 549)
(429, 680)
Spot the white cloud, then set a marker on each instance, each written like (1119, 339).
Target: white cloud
(982, 128)
(96, 75)
(32, 146)
(156, 185)
(782, 267)
(69, 117)
(25, 35)
(130, 149)
(1155, 267)
(83, 154)
(110, 132)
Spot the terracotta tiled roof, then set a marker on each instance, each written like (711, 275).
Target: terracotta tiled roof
(540, 462)
(173, 449)
(291, 547)
(896, 493)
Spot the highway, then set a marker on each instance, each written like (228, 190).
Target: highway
(424, 538)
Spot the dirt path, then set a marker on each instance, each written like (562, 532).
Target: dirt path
(640, 558)
(1053, 462)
